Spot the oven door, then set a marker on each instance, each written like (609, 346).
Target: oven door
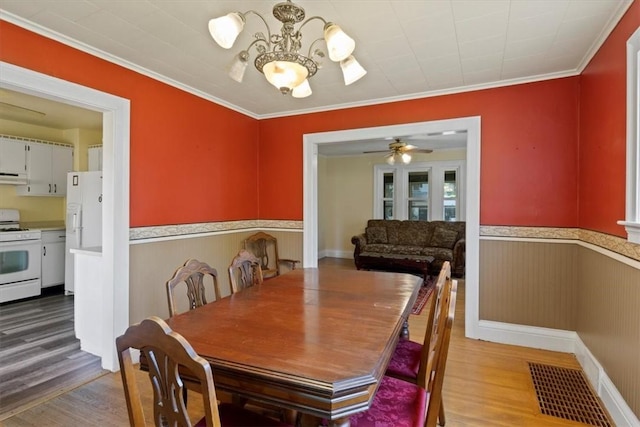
(20, 261)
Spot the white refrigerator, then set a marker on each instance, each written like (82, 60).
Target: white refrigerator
(84, 218)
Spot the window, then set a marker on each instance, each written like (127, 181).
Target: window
(420, 191)
(632, 220)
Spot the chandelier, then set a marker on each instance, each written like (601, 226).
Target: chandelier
(278, 56)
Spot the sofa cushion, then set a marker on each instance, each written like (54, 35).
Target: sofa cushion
(443, 238)
(376, 235)
(378, 248)
(438, 253)
(406, 249)
(413, 233)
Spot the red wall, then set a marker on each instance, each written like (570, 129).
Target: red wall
(181, 170)
(532, 170)
(529, 150)
(601, 196)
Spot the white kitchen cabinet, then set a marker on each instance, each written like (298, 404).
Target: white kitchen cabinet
(47, 167)
(53, 252)
(95, 158)
(13, 161)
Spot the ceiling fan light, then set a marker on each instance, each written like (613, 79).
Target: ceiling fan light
(285, 75)
(406, 158)
(226, 29)
(238, 66)
(352, 71)
(302, 90)
(391, 159)
(339, 44)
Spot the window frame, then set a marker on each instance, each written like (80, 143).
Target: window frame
(632, 210)
(435, 199)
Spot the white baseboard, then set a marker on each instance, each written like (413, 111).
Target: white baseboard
(566, 342)
(527, 336)
(608, 393)
(335, 253)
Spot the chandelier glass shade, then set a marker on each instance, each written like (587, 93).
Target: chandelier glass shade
(278, 55)
(397, 155)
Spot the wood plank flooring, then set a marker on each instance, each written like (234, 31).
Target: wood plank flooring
(486, 384)
(40, 357)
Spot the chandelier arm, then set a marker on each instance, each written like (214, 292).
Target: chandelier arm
(312, 19)
(265, 24)
(256, 41)
(309, 53)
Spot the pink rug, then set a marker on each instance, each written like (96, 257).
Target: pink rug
(423, 296)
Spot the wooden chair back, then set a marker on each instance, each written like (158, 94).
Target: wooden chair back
(437, 358)
(265, 248)
(436, 309)
(244, 271)
(192, 275)
(165, 352)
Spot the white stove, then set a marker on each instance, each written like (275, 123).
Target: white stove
(20, 258)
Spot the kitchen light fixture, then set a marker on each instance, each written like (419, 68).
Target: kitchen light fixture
(278, 58)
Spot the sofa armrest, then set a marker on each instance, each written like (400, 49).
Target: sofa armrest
(360, 241)
(459, 258)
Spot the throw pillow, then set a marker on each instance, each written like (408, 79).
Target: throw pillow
(443, 238)
(376, 235)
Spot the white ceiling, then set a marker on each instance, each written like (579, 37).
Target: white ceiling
(410, 48)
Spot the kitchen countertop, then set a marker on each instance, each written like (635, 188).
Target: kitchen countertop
(43, 225)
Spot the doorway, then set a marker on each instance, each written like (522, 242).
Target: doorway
(310, 210)
(115, 226)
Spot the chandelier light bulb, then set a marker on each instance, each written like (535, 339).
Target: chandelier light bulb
(302, 90)
(406, 158)
(339, 44)
(226, 29)
(285, 75)
(239, 66)
(352, 71)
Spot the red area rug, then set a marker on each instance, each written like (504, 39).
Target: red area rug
(423, 296)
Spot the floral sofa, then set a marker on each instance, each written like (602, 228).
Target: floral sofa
(411, 246)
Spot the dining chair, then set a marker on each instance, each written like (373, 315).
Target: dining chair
(166, 351)
(244, 271)
(405, 363)
(401, 403)
(192, 276)
(265, 247)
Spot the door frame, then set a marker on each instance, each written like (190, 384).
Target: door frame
(113, 316)
(310, 209)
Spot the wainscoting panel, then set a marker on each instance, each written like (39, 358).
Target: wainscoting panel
(153, 263)
(528, 283)
(608, 319)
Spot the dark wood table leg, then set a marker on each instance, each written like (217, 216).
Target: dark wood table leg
(404, 333)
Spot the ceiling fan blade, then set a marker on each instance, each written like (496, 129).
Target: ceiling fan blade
(378, 151)
(422, 150)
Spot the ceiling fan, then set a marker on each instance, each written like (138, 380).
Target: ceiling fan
(400, 150)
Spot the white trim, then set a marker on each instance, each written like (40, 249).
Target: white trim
(632, 206)
(527, 336)
(567, 342)
(310, 199)
(620, 412)
(115, 210)
(335, 253)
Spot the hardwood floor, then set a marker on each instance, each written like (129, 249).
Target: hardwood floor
(486, 384)
(40, 357)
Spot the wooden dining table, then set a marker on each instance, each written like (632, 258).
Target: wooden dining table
(314, 341)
